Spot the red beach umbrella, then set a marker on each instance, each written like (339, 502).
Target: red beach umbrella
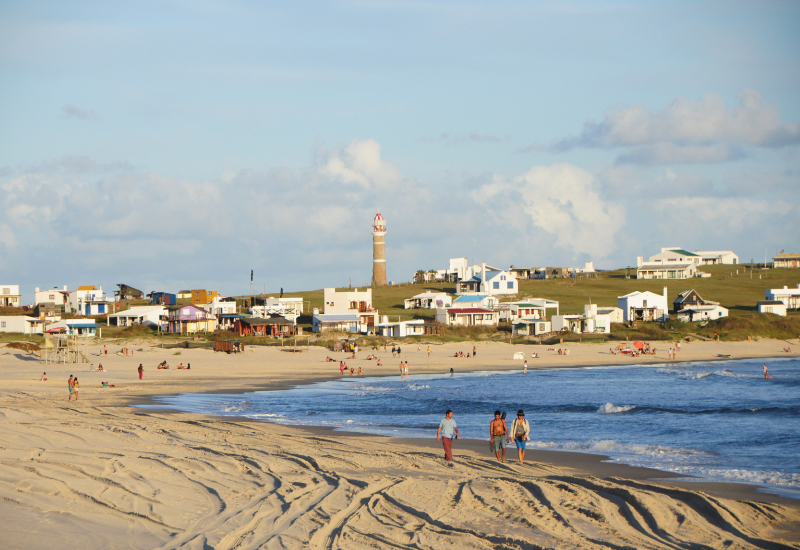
(638, 345)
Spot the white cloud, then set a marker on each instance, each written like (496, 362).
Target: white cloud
(360, 163)
(563, 200)
(687, 131)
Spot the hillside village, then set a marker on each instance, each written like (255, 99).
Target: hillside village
(696, 291)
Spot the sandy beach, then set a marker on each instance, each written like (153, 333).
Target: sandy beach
(98, 473)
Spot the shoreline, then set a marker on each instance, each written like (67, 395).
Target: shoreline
(104, 470)
(602, 463)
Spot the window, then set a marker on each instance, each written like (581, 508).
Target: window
(767, 309)
(2, 324)
(502, 277)
(197, 294)
(497, 285)
(511, 285)
(6, 291)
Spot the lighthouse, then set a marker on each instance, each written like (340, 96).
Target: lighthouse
(378, 250)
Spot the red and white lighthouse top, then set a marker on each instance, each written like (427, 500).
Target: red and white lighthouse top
(378, 223)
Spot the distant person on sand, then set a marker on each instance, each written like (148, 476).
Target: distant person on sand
(141, 371)
(429, 351)
(105, 349)
(70, 382)
(525, 367)
(44, 377)
(75, 387)
(520, 431)
(474, 352)
(448, 430)
(498, 435)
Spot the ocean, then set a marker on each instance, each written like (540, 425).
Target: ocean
(718, 421)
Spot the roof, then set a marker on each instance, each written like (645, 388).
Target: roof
(770, 303)
(427, 294)
(138, 311)
(653, 265)
(787, 256)
(681, 251)
(636, 293)
(333, 318)
(229, 315)
(83, 324)
(87, 287)
(471, 298)
(702, 308)
(184, 292)
(469, 310)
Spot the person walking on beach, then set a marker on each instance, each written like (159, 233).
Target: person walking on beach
(75, 387)
(474, 352)
(429, 351)
(525, 367)
(69, 385)
(105, 350)
(498, 435)
(448, 430)
(141, 371)
(520, 431)
(406, 369)
(451, 372)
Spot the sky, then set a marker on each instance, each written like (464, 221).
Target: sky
(175, 144)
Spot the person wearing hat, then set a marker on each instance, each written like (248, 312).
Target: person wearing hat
(520, 431)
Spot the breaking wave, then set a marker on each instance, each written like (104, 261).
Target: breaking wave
(610, 408)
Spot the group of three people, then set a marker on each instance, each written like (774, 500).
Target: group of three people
(499, 435)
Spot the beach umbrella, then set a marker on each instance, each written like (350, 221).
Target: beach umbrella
(638, 345)
(622, 346)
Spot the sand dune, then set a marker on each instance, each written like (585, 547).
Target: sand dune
(100, 474)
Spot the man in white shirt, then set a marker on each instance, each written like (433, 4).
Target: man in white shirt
(448, 430)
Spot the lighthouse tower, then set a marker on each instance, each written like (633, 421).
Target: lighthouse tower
(378, 250)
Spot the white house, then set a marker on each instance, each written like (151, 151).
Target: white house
(219, 307)
(402, 329)
(789, 296)
(150, 316)
(352, 302)
(717, 257)
(475, 300)
(644, 306)
(289, 308)
(489, 281)
(710, 312)
(614, 313)
(786, 259)
(333, 322)
(55, 296)
(22, 324)
(649, 270)
(530, 308)
(589, 322)
(429, 300)
(776, 307)
(466, 316)
(79, 327)
(88, 300)
(10, 296)
(530, 327)
(675, 255)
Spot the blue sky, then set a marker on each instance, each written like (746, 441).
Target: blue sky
(180, 144)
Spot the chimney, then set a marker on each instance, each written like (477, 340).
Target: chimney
(639, 261)
(37, 289)
(65, 287)
(665, 295)
(483, 278)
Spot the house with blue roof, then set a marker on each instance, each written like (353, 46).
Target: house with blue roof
(489, 281)
(475, 300)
